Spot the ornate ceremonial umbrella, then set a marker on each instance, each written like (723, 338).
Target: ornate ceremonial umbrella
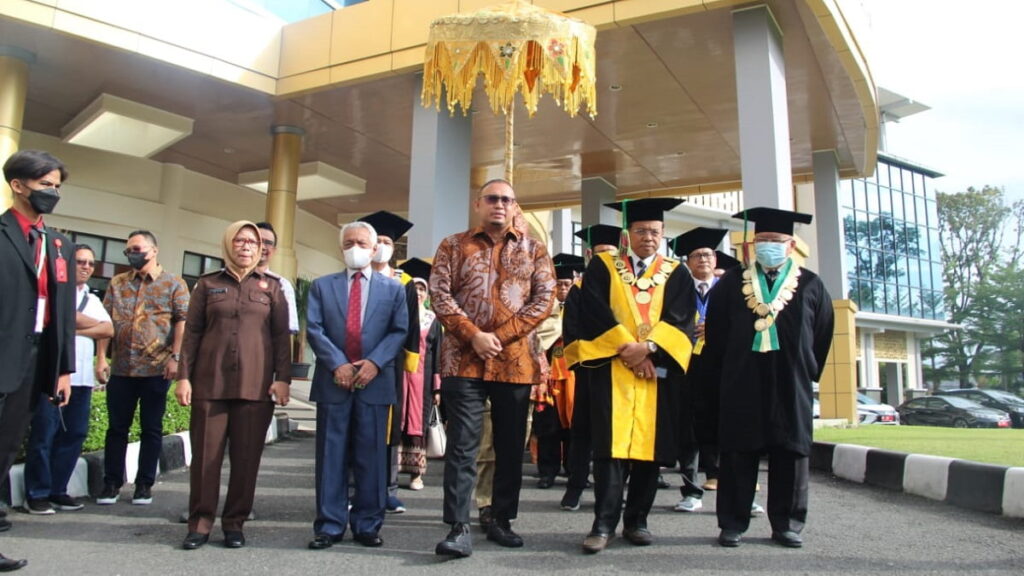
(519, 48)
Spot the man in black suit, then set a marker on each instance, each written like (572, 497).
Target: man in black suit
(37, 310)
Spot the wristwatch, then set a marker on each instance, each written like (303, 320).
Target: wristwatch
(652, 347)
(175, 356)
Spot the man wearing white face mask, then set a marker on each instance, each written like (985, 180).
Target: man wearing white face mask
(390, 228)
(357, 323)
(769, 331)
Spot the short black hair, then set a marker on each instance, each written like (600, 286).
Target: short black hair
(495, 181)
(32, 165)
(149, 236)
(267, 226)
(85, 247)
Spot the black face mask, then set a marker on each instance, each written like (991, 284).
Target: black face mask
(43, 201)
(137, 260)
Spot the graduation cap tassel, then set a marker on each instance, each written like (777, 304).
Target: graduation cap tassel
(624, 236)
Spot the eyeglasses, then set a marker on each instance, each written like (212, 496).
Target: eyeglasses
(269, 243)
(702, 255)
(495, 198)
(245, 242)
(643, 232)
(88, 263)
(136, 250)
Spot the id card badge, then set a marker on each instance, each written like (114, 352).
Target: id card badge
(62, 270)
(40, 314)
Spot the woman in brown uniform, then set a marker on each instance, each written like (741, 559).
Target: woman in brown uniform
(236, 351)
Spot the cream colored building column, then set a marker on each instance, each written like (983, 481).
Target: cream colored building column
(282, 195)
(14, 63)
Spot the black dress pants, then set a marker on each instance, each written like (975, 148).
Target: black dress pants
(609, 482)
(16, 410)
(579, 434)
(464, 399)
(788, 476)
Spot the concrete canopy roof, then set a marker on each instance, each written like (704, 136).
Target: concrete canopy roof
(670, 130)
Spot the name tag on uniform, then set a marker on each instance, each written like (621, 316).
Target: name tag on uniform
(218, 290)
(40, 314)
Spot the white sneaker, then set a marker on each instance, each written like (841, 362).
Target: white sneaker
(416, 483)
(689, 504)
(756, 510)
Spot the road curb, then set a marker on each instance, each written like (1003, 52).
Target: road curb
(962, 483)
(176, 453)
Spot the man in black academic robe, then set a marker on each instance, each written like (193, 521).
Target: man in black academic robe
(636, 315)
(769, 331)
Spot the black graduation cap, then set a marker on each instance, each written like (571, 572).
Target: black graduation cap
(416, 268)
(645, 208)
(697, 238)
(567, 264)
(387, 224)
(773, 219)
(600, 234)
(725, 261)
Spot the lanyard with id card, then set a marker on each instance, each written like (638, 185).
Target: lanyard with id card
(41, 301)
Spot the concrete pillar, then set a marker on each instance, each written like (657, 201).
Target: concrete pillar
(828, 221)
(763, 114)
(596, 193)
(14, 63)
(869, 367)
(282, 195)
(915, 380)
(439, 176)
(172, 179)
(561, 231)
(838, 387)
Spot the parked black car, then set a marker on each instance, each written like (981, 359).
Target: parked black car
(951, 411)
(997, 399)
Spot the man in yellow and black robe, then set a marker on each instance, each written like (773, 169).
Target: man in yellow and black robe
(638, 313)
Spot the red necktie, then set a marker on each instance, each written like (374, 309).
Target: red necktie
(354, 321)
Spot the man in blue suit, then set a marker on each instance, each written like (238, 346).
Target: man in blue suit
(357, 322)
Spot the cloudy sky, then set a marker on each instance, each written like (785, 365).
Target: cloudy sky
(964, 60)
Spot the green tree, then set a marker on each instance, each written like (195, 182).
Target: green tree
(979, 232)
(878, 246)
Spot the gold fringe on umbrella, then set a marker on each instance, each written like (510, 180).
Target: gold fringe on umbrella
(518, 47)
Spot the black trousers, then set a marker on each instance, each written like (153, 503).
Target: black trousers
(579, 434)
(464, 399)
(709, 460)
(16, 410)
(609, 481)
(689, 454)
(788, 476)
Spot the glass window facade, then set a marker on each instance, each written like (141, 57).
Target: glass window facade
(891, 228)
(195, 265)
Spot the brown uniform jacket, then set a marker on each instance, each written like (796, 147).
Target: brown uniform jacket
(236, 337)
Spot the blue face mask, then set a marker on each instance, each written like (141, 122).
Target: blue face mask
(771, 254)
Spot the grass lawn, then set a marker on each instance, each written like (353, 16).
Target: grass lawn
(1004, 447)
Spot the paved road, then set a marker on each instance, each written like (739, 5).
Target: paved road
(852, 530)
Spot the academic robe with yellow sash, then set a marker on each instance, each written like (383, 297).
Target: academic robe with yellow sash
(631, 417)
(408, 358)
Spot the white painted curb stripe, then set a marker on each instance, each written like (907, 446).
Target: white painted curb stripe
(849, 462)
(926, 476)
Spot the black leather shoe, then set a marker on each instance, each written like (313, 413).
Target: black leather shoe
(10, 564)
(324, 541)
(485, 518)
(545, 483)
(662, 483)
(5, 524)
(595, 542)
(458, 543)
(729, 538)
(501, 533)
(369, 539)
(194, 540)
(638, 536)
(234, 539)
(789, 539)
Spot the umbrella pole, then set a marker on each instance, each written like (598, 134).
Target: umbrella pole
(509, 128)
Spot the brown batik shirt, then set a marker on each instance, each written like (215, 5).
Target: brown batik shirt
(505, 288)
(144, 309)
